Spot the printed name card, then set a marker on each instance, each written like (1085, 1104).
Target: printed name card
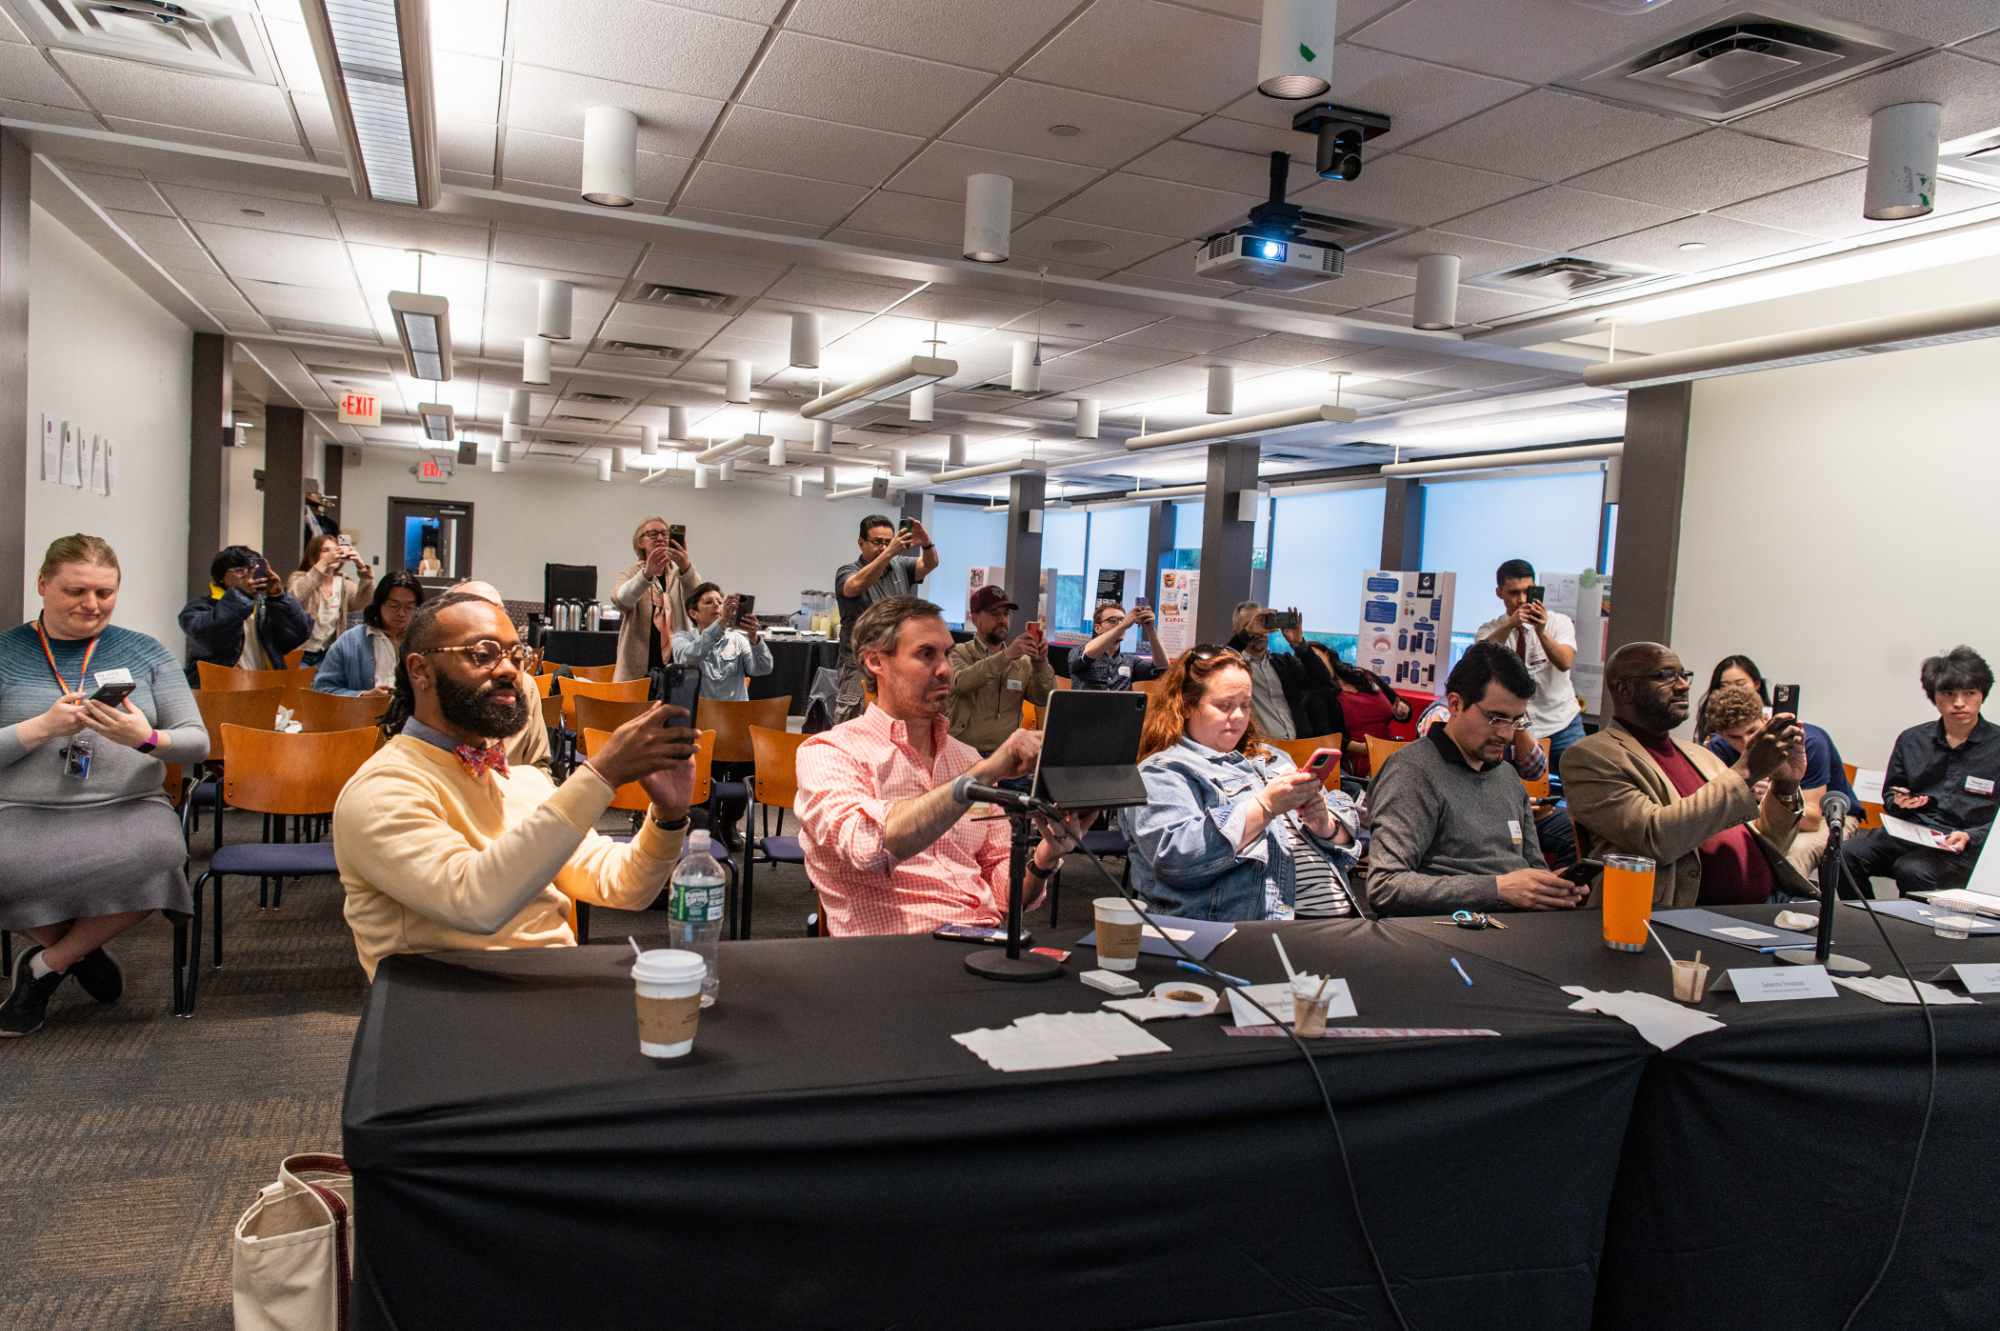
(1780, 984)
(1979, 977)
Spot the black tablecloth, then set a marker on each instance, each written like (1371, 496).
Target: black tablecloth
(580, 647)
(793, 662)
(829, 1157)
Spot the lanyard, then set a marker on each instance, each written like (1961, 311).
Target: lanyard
(82, 675)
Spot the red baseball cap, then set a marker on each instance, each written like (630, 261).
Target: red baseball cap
(990, 597)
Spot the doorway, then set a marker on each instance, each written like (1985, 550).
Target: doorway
(430, 539)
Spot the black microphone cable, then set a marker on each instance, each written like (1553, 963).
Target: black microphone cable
(1312, 1065)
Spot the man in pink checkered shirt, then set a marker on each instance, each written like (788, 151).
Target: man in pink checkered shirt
(886, 844)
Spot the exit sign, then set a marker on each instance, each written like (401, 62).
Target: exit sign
(436, 471)
(360, 409)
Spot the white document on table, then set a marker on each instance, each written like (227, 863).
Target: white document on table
(1277, 996)
(1746, 933)
(1915, 833)
(1178, 935)
(1106, 1030)
(1147, 1008)
(1661, 1022)
(1025, 1049)
(1896, 989)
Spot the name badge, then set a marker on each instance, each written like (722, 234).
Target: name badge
(119, 676)
(1125, 672)
(1015, 685)
(1974, 785)
(1514, 829)
(1778, 984)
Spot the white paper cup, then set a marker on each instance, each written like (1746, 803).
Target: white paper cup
(1311, 998)
(668, 992)
(1118, 926)
(1690, 981)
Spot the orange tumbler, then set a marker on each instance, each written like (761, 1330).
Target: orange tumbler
(1628, 901)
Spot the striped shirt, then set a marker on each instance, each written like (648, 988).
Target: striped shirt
(1319, 894)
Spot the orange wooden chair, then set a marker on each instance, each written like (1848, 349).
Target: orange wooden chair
(318, 712)
(223, 679)
(632, 690)
(1379, 749)
(279, 776)
(605, 714)
(1869, 813)
(632, 798)
(255, 708)
(732, 723)
(293, 657)
(773, 785)
(1538, 789)
(600, 674)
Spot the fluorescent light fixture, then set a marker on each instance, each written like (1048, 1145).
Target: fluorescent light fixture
(989, 218)
(1238, 427)
(423, 325)
(1166, 492)
(437, 420)
(1295, 50)
(1534, 457)
(891, 381)
(1902, 162)
(1806, 346)
(729, 448)
(375, 61)
(610, 157)
(953, 475)
(1437, 292)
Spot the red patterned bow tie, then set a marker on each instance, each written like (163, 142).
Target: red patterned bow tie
(492, 758)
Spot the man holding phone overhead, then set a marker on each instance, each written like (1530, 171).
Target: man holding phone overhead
(247, 620)
(893, 559)
(1545, 640)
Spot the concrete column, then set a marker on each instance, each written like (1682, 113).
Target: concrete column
(1159, 540)
(1402, 524)
(1225, 539)
(334, 482)
(15, 174)
(1649, 513)
(1024, 547)
(210, 422)
(284, 484)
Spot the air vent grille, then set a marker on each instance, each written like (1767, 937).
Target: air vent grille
(999, 388)
(619, 346)
(216, 39)
(680, 298)
(1564, 277)
(605, 399)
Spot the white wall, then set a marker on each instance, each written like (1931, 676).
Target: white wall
(747, 536)
(1839, 526)
(103, 356)
(243, 524)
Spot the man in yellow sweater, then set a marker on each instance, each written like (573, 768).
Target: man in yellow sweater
(442, 845)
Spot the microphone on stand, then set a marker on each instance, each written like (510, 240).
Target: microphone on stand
(1009, 962)
(1834, 808)
(965, 790)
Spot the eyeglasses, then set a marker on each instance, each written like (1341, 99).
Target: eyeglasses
(1670, 676)
(1507, 724)
(653, 537)
(487, 654)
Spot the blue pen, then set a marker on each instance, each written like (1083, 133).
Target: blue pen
(1203, 970)
(1461, 972)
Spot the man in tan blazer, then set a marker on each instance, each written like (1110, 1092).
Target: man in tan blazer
(1635, 790)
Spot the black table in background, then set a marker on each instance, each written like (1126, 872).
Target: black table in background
(793, 664)
(829, 1157)
(580, 647)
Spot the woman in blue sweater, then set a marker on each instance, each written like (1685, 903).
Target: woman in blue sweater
(363, 659)
(93, 847)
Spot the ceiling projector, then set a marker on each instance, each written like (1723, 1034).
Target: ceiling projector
(1283, 247)
(1247, 257)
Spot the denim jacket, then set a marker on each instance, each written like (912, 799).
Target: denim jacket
(1184, 856)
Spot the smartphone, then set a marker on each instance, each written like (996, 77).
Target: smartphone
(746, 605)
(111, 695)
(1141, 603)
(679, 686)
(1322, 761)
(907, 525)
(1785, 698)
(1538, 594)
(1034, 629)
(1584, 873)
(677, 534)
(1289, 619)
(974, 933)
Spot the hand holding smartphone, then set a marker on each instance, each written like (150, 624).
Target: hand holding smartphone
(111, 695)
(1322, 761)
(1785, 699)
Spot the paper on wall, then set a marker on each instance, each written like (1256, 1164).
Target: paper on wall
(97, 464)
(51, 450)
(1868, 784)
(72, 469)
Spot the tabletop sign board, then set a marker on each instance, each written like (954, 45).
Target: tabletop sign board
(360, 409)
(1779, 984)
(1982, 977)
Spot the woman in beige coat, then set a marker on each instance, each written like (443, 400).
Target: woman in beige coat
(661, 580)
(330, 597)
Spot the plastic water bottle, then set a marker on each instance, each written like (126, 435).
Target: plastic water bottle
(695, 908)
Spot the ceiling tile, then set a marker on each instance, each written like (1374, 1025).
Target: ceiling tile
(1141, 49)
(1550, 135)
(1938, 21)
(1069, 318)
(574, 256)
(1189, 335)
(1352, 289)
(1219, 168)
(204, 139)
(321, 134)
(841, 293)
(1831, 208)
(978, 309)
(910, 217)
(1532, 40)
(9, 30)
(252, 210)
(1478, 374)
(1399, 256)
(46, 115)
(478, 27)
(1837, 119)
(184, 260)
(635, 41)
(468, 179)
(1418, 96)
(1288, 349)
(1558, 219)
(645, 323)
(940, 171)
(466, 146)
(1412, 191)
(1711, 170)
(978, 33)
(26, 76)
(148, 230)
(279, 300)
(467, 87)
(1165, 207)
(120, 192)
(1986, 48)
(545, 159)
(766, 194)
(747, 222)
(858, 86)
(243, 323)
(551, 102)
(1046, 237)
(808, 146)
(213, 290)
(1016, 116)
(1727, 242)
(407, 230)
(1477, 306)
(736, 279)
(298, 65)
(145, 92)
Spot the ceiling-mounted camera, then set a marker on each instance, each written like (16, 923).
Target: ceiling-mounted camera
(1341, 131)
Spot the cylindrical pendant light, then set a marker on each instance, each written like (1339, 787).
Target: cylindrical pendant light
(1025, 376)
(989, 217)
(826, 477)
(610, 156)
(1295, 54)
(798, 486)
(738, 388)
(510, 429)
(1614, 478)
(649, 441)
(923, 402)
(822, 436)
(1221, 390)
(726, 471)
(677, 423)
(499, 459)
(805, 341)
(617, 458)
(1086, 417)
(1902, 162)
(554, 301)
(518, 405)
(954, 451)
(535, 360)
(701, 476)
(777, 454)
(504, 451)
(1437, 291)
(899, 462)
(604, 469)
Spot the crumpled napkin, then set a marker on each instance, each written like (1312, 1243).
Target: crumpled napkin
(1661, 1021)
(287, 724)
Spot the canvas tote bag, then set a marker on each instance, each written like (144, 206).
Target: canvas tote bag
(293, 1250)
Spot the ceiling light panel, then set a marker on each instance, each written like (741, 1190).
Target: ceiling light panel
(374, 58)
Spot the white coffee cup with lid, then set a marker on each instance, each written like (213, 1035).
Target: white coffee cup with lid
(667, 983)
(1118, 931)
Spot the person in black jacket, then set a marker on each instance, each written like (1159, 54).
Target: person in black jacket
(1311, 695)
(247, 620)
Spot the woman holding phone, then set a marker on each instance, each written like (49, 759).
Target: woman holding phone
(331, 597)
(93, 847)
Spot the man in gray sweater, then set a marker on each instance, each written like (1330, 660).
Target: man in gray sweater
(1453, 826)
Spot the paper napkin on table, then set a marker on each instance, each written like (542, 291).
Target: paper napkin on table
(1663, 1022)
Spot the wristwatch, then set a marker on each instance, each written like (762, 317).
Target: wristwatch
(679, 824)
(1797, 803)
(152, 742)
(1036, 871)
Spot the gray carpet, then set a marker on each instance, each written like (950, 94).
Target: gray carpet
(130, 1141)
